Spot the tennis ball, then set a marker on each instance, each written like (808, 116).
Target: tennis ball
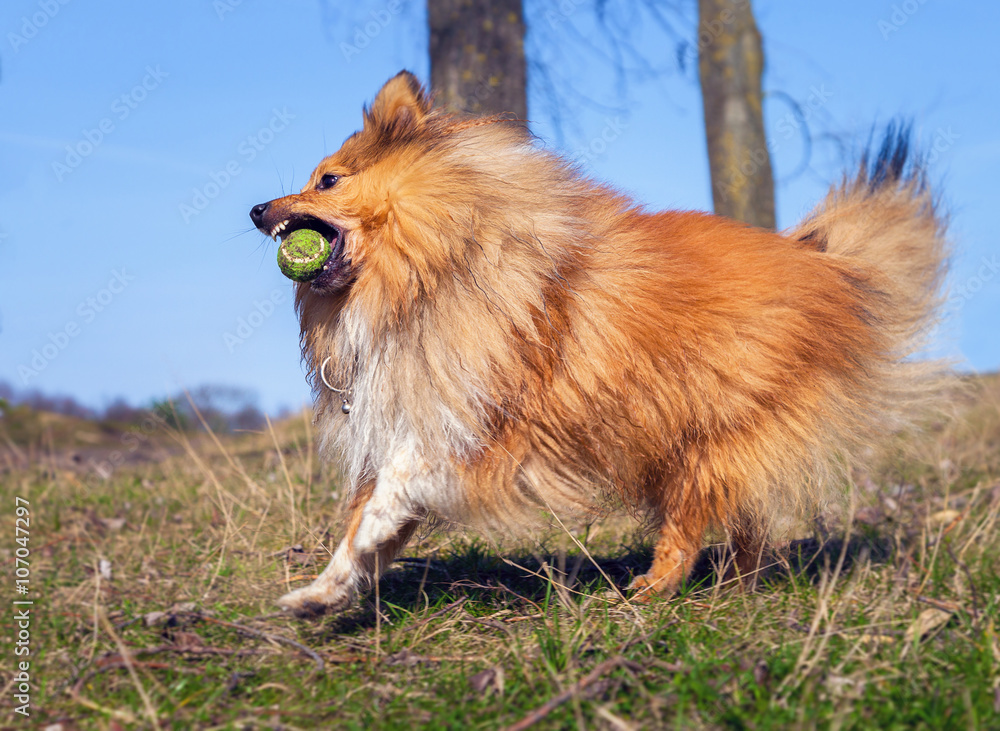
(302, 254)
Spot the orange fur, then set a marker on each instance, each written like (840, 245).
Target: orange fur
(516, 336)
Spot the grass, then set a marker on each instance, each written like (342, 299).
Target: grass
(155, 574)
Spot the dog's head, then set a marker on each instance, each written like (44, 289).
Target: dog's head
(342, 198)
(384, 197)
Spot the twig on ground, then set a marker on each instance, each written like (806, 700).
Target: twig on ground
(127, 623)
(491, 623)
(263, 635)
(940, 603)
(553, 703)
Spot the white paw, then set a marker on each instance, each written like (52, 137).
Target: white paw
(313, 601)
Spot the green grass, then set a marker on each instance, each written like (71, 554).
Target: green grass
(465, 634)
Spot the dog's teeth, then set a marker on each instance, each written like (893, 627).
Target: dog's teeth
(278, 228)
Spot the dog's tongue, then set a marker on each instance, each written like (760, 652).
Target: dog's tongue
(302, 254)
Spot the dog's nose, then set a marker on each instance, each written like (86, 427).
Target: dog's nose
(257, 213)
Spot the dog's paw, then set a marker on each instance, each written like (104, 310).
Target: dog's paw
(647, 587)
(310, 602)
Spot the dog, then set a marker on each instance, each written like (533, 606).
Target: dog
(496, 336)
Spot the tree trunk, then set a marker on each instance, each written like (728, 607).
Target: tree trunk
(477, 56)
(730, 65)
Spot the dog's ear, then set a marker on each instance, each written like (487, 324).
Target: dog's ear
(401, 104)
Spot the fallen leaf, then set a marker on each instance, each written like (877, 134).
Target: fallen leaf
(761, 673)
(113, 523)
(871, 638)
(490, 679)
(840, 684)
(188, 640)
(943, 518)
(927, 621)
(615, 721)
(154, 619)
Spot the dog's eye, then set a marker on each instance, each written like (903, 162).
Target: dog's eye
(327, 181)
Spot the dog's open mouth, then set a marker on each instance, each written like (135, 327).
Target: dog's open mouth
(335, 272)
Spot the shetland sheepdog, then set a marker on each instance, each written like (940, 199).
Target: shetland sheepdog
(497, 336)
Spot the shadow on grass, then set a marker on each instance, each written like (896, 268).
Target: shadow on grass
(490, 582)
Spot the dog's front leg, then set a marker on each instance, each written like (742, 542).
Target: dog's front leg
(382, 519)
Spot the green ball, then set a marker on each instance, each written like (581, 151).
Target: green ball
(302, 254)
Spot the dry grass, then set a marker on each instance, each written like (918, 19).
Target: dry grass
(155, 585)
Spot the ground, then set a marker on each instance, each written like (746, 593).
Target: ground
(154, 558)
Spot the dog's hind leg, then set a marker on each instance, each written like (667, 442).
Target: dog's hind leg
(686, 508)
(676, 550)
(382, 520)
(684, 512)
(749, 545)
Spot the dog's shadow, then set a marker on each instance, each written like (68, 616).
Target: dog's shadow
(524, 581)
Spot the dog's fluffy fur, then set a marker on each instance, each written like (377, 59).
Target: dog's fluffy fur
(515, 336)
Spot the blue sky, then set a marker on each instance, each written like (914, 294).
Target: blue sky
(136, 136)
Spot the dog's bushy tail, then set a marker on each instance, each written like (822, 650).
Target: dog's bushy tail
(886, 220)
